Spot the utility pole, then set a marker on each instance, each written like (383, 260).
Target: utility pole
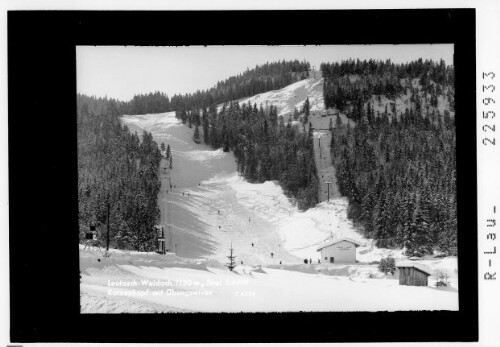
(169, 222)
(107, 237)
(328, 183)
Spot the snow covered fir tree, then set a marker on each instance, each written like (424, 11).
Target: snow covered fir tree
(344, 168)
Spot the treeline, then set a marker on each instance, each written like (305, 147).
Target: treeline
(351, 83)
(116, 170)
(400, 178)
(264, 147)
(261, 79)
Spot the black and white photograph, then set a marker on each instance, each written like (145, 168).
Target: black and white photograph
(290, 174)
(267, 178)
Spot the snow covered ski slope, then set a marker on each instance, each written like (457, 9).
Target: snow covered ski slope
(292, 96)
(212, 207)
(206, 207)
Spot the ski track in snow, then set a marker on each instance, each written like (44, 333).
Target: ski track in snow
(210, 207)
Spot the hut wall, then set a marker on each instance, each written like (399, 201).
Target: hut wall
(342, 252)
(409, 276)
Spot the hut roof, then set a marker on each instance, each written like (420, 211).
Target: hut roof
(420, 267)
(356, 243)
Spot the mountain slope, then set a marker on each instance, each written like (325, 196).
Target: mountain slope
(206, 208)
(292, 96)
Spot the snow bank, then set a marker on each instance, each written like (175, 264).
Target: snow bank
(127, 286)
(162, 120)
(200, 155)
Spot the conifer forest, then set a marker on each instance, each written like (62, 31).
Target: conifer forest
(395, 161)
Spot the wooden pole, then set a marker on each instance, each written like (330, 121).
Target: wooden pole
(107, 237)
(328, 184)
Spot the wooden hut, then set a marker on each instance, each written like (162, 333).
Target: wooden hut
(413, 274)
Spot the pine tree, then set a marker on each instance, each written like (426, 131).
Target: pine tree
(163, 149)
(196, 136)
(306, 111)
(423, 242)
(232, 264)
(205, 123)
(338, 120)
(169, 153)
(296, 114)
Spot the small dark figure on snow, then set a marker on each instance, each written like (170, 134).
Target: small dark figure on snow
(242, 262)
(280, 262)
(319, 261)
(305, 261)
(252, 244)
(272, 254)
(219, 226)
(310, 261)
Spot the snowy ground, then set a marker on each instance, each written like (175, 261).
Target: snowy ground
(147, 283)
(210, 207)
(291, 96)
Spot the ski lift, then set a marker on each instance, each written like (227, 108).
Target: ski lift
(89, 235)
(161, 240)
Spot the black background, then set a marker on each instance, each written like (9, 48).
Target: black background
(44, 268)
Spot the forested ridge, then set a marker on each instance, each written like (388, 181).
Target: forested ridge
(352, 83)
(119, 172)
(265, 149)
(117, 169)
(261, 79)
(397, 165)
